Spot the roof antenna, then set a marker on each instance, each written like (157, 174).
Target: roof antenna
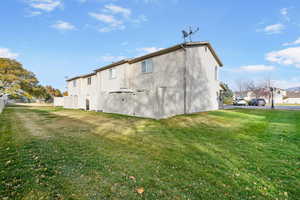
(188, 34)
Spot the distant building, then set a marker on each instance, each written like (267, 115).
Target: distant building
(263, 93)
(177, 80)
(292, 98)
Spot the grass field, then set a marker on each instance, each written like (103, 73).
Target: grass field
(49, 153)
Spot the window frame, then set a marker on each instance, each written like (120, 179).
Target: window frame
(89, 81)
(74, 83)
(112, 73)
(216, 73)
(147, 66)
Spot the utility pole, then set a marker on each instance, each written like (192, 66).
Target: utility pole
(272, 97)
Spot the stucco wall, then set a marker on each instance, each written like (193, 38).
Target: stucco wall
(107, 84)
(163, 87)
(82, 92)
(88, 92)
(58, 101)
(202, 85)
(159, 94)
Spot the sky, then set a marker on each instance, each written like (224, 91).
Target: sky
(55, 39)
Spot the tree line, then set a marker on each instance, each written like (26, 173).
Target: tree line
(20, 83)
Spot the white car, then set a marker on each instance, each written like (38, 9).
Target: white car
(240, 102)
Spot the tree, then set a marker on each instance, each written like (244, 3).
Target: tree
(51, 93)
(65, 93)
(19, 82)
(227, 94)
(15, 80)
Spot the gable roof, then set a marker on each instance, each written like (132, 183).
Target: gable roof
(176, 47)
(157, 53)
(82, 76)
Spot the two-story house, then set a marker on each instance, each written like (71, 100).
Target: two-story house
(177, 80)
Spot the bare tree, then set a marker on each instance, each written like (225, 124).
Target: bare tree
(241, 85)
(256, 88)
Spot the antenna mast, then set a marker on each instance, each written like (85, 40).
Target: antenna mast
(189, 33)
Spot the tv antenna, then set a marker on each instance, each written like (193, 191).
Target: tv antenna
(188, 34)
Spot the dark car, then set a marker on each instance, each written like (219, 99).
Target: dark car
(257, 102)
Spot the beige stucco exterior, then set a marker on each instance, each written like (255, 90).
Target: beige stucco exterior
(182, 81)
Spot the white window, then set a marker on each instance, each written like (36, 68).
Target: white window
(89, 80)
(74, 83)
(112, 73)
(216, 73)
(147, 66)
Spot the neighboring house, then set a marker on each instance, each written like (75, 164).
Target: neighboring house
(292, 98)
(263, 93)
(177, 80)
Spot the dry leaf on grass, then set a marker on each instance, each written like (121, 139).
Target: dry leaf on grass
(140, 190)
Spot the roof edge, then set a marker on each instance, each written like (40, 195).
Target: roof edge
(157, 53)
(112, 65)
(82, 76)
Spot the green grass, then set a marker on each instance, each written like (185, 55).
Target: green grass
(54, 153)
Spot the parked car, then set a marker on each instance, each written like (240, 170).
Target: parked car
(240, 102)
(257, 102)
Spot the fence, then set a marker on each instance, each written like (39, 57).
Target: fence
(2, 104)
(58, 101)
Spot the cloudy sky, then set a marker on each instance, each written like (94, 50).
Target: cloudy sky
(58, 38)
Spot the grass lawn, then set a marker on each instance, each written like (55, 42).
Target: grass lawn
(53, 153)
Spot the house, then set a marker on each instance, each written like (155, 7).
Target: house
(177, 80)
(263, 93)
(292, 97)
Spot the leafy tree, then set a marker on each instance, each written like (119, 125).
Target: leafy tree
(15, 80)
(53, 92)
(19, 82)
(65, 93)
(227, 94)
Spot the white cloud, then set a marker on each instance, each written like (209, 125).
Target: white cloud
(288, 56)
(292, 43)
(146, 50)
(256, 68)
(34, 13)
(109, 19)
(45, 5)
(284, 12)
(274, 29)
(285, 84)
(64, 26)
(115, 17)
(109, 58)
(6, 53)
(117, 10)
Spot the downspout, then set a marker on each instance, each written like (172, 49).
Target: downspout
(184, 80)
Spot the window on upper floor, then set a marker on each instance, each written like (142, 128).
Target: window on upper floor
(112, 73)
(74, 83)
(216, 73)
(147, 66)
(89, 80)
